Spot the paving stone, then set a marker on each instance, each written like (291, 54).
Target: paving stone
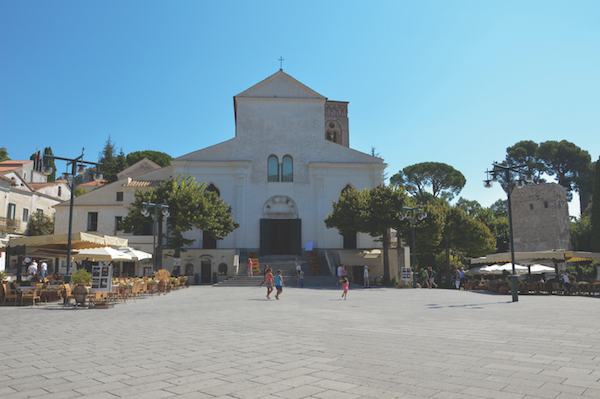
(219, 342)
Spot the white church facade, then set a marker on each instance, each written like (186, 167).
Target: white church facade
(289, 160)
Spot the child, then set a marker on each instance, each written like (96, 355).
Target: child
(345, 285)
(279, 283)
(269, 282)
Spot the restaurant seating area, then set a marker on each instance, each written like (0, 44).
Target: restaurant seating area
(527, 287)
(123, 289)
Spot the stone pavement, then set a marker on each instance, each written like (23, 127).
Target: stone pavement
(220, 342)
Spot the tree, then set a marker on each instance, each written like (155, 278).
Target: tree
(525, 153)
(111, 164)
(444, 180)
(375, 213)
(190, 205)
(4, 154)
(52, 176)
(494, 217)
(581, 233)
(40, 224)
(595, 214)
(157, 157)
(565, 161)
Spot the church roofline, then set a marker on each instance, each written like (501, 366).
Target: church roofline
(276, 75)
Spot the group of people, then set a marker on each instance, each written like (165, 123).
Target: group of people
(428, 278)
(271, 281)
(35, 271)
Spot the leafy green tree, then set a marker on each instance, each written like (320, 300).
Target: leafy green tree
(157, 157)
(375, 213)
(80, 191)
(494, 217)
(581, 233)
(40, 224)
(443, 179)
(4, 154)
(190, 205)
(595, 214)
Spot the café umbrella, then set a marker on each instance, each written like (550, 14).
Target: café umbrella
(101, 254)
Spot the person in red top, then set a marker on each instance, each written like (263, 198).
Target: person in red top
(345, 286)
(269, 282)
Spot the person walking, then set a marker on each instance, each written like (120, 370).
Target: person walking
(301, 278)
(345, 286)
(279, 283)
(250, 266)
(366, 277)
(457, 279)
(264, 275)
(424, 278)
(269, 282)
(462, 277)
(431, 277)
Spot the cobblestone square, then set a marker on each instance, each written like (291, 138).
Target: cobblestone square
(231, 342)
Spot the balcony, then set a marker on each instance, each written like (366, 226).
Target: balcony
(9, 225)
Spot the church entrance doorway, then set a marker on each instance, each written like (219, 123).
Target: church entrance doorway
(205, 269)
(280, 237)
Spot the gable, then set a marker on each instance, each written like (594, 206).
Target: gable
(280, 85)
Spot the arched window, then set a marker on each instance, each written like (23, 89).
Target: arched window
(211, 187)
(222, 269)
(273, 168)
(287, 169)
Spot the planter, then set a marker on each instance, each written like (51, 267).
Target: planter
(80, 292)
(162, 286)
(504, 289)
(49, 296)
(468, 286)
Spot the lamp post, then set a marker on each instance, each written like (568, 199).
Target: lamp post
(508, 185)
(413, 214)
(77, 168)
(155, 216)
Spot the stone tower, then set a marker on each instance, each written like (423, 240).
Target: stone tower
(540, 216)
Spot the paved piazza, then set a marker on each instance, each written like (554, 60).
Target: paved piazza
(219, 342)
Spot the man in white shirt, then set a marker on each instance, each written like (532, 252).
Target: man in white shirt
(366, 277)
(44, 267)
(32, 270)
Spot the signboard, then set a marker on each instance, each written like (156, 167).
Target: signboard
(406, 273)
(102, 278)
(309, 245)
(176, 261)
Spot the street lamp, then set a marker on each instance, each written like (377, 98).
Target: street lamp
(77, 168)
(155, 217)
(508, 185)
(413, 214)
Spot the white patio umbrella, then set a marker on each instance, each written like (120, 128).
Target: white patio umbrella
(540, 269)
(102, 254)
(518, 268)
(135, 254)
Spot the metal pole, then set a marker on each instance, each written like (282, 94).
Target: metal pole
(414, 254)
(155, 227)
(513, 277)
(67, 278)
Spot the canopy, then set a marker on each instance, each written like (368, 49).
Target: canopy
(135, 254)
(555, 256)
(55, 245)
(539, 269)
(353, 257)
(103, 254)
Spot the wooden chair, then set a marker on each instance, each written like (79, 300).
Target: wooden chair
(33, 294)
(10, 293)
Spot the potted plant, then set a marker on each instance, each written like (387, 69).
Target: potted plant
(125, 289)
(2, 276)
(152, 285)
(81, 278)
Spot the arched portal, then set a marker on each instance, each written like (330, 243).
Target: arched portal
(280, 227)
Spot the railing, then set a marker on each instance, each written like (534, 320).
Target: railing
(9, 225)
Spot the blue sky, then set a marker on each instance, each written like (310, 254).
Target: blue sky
(444, 81)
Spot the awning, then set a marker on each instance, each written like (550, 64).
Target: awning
(354, 257)
(135, 254)
(554, 256)
(55, 245)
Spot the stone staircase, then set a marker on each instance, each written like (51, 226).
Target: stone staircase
(275, 262)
